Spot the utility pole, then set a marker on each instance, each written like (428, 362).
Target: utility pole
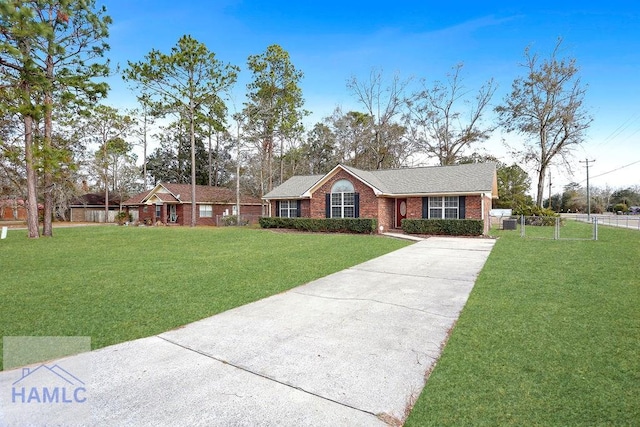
(586, 161)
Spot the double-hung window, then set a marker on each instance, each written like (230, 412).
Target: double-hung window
(288, 208)
(206, 211)
(447, 207)
(343, 200)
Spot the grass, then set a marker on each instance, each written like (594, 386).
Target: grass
(550, 336)
(121, 283)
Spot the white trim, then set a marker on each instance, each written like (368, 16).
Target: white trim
(155, 189)
(330, 175)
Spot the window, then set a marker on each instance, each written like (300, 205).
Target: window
(158, 211)
(451, 207)
(206, 211)
(288, 208)
(444, 207)
(343, 200)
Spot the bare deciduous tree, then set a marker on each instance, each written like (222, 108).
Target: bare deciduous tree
(383, 104)
(546, 106)
(444, 122)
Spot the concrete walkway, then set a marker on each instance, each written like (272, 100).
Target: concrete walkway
(350, 349)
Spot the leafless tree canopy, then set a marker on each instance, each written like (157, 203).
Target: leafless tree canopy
(546, 106)
(444, 122)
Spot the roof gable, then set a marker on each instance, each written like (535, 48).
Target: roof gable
(363, 176)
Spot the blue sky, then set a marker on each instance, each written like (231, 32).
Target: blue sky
(330, 41)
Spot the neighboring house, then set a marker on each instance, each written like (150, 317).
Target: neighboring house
(90, 208)
(171, 204)
(457, 192)
(15, 209)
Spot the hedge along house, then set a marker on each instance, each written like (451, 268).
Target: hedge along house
(171, 204)
(453, 192)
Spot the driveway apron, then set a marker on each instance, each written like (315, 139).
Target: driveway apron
(348, 349)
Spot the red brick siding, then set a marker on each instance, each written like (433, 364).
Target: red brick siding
(473, 207)
(386, 213)
(250, 209)
(305, 208)
(414, 207)
(20, 213)
(368, 200)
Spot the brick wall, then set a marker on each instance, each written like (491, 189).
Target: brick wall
(386, 213)
(473, 207)
(368, 200)
(474, 210)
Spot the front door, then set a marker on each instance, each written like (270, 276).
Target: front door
(401, 211)
(172, 213)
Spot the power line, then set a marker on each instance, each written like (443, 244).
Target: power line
(613, 170)
(620, 129)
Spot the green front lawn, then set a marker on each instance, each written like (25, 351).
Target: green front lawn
(120, 283)
(550, 336)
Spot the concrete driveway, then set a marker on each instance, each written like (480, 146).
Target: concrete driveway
(350, 349)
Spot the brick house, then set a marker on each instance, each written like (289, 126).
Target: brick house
(171, 204)
(15, 209)
(456, 192)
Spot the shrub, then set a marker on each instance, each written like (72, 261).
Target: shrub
(535, 211)
(231, 220)
(122, 217)
(336, 225)
(620, 207)
(534, 215)
(449, 227)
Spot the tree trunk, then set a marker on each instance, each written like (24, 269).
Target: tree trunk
(32, 200)
(144, 152)
(216, 162)
(540, 192)
(270, 163)
(47, 161)
(281, 161)
(210, 160)
(192, 131)
(106, 184)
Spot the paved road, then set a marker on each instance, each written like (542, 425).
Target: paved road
(622, 221)
(350, 349)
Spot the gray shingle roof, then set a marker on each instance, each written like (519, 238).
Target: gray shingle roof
(466, 178)
(294, 187)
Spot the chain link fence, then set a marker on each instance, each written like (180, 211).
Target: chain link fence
(552, 228)
(233, 220)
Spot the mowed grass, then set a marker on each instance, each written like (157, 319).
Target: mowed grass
(550, 336)
(120, 283)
